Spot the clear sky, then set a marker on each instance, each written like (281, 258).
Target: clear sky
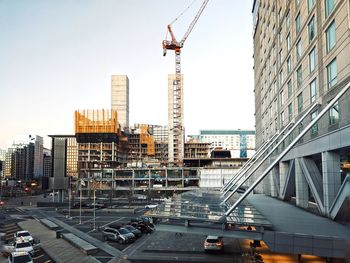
(58, 56)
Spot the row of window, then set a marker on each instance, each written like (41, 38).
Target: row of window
(330, 35)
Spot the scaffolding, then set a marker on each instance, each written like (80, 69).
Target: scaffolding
(146, 138)
(96, 121)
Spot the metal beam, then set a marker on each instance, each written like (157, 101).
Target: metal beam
(303, 132)
(258, 155)
(268, 155)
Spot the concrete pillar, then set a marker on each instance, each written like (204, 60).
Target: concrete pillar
(283, 174)
(301, 186)
(331, 178)
(275, 181)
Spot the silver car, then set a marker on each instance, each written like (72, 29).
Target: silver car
(120, 235)
(213, 243)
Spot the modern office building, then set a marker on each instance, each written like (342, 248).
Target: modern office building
(176, 135)
(47, 162)
(120, 98)
(38, 157)
(241, 143)
(302, 62)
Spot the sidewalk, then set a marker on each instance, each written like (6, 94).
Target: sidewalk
(58, 249)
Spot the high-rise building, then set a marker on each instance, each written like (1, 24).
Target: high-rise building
(302, 57)
(120, 98)
(38, 156)
(175, 121)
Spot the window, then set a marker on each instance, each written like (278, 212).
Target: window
(282, 118)
(311, 29)
(314, 129)
(290, 112)
(274, 68)
(310, 4)
(289, 65)
(300, 102)
(299, 77)
(329, 6)
(330, 37)
(281, 77)
(313, 91)
(288, 42)
(298, 50)
(334, 114)
(281, 98)
(281, 57)
(297, 3)
(281, 37)
(332, 74)
(287, 21)
(290, 89)
(312, 60)
(297, 23)
(274, 52)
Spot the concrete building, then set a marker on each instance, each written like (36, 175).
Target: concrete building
(241, 143)
(175, 121)
(120, 98)
(302, 57)
(38, 157)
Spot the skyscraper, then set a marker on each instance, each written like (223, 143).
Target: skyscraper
(120, 98)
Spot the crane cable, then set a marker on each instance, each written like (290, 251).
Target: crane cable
(181, 14)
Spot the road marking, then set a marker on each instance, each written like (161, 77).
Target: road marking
(113, 222)
(137, 247)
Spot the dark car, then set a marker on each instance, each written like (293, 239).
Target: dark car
(133, 230)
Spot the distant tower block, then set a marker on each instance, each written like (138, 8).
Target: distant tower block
(175, 120)
(120, 98)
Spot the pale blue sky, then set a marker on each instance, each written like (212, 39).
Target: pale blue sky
(58, 56)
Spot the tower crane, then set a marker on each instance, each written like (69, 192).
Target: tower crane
(176, 126)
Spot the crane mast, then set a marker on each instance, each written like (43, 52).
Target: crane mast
(176, 126)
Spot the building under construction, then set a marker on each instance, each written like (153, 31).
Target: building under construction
(101, 144)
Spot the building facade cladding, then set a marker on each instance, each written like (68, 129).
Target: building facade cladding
(277, 90)
(302, 57)
(241, 143)
(120, 98)
(173, 152)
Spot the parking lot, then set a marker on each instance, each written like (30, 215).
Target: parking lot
(156, 247)
(10, 228)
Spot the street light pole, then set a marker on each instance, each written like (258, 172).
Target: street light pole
(80, 195)
(94, 209)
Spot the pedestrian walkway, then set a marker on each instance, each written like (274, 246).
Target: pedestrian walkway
(58, 249)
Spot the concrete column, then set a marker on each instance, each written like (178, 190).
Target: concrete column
(301, 186)
(331, 178)
(275, 181)
(283, 175)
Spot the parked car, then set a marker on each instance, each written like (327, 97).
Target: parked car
(97, 205)
(213, 243)
(19, 246)
(135, 231)
(20, 257)
(144, 227)
(23, 235)
(120, 235)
